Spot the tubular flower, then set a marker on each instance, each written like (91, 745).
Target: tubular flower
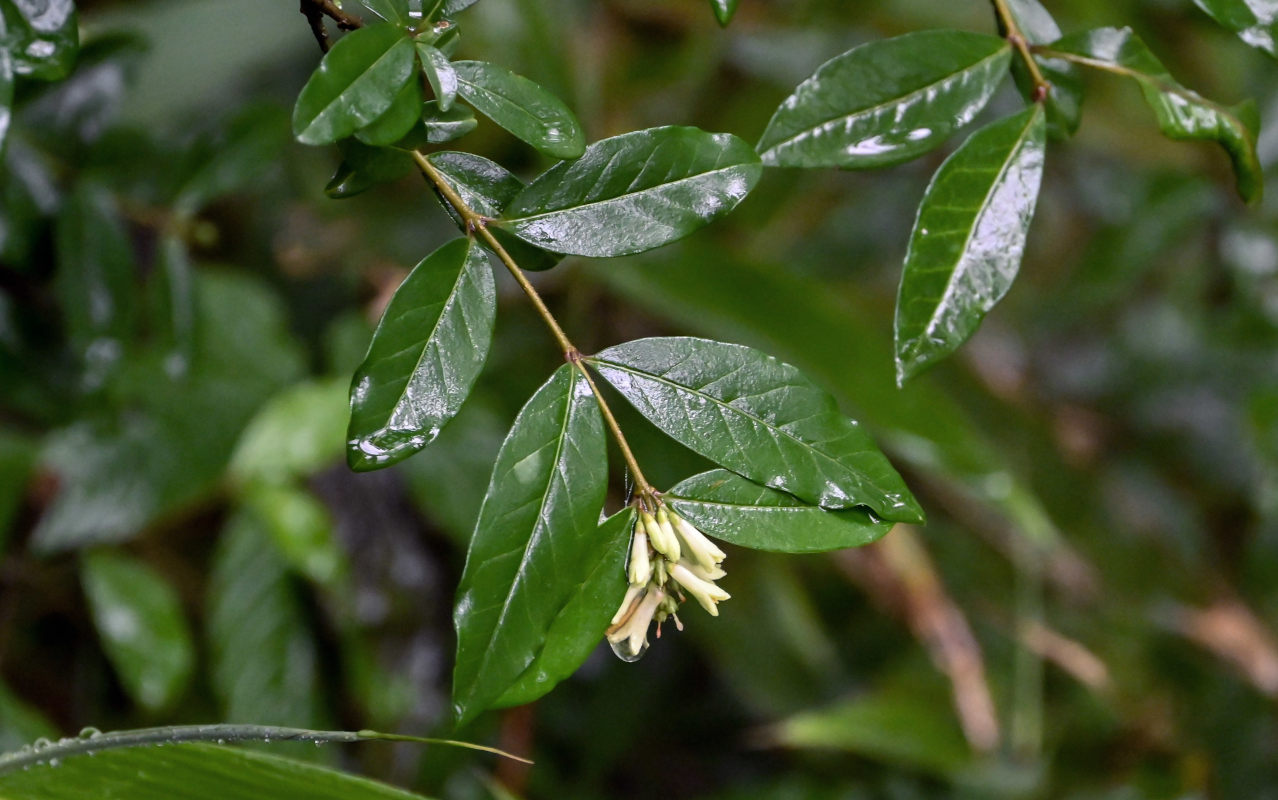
(706, 552)
(707, 593)
(667, 546)
(629, 638)
(640, 568)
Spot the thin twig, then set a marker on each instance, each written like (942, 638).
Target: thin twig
(316, 10)
(1016, 37)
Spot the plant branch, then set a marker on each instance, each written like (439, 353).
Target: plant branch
(1016, 38)
(316, 10)
(476, 223)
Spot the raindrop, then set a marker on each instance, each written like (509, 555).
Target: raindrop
(41, 743)
(90, 733)
(54, 762)
(621, 649)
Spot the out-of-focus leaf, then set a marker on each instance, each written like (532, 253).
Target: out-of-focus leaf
(262, 657)
(173, 304)
(579, 627)
(301, 528)
(968, 239)
(634, 192)
(729, 507)
(535, 541)
(295, 434)
(27, 194)
(439, 126)
(6, 93)
(192, 772)
(78, 110)
(20, 724)
(250, 146)
(425, 355)
(139, 619)
(395, 11)
(528, 111)
(1064, 102)
(95, 278)
(758, 417)
(439, 71)
(17, 458)
(487, 187)
(724, 10)
(356, 83)
(1255, 21)
(364, 167)
(887, 101)
(398, 120)
(43, 37)
(1181, 114)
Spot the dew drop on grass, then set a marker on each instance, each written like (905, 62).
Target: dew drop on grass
(90, 733)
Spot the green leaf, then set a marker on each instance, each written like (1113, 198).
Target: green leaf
(1181, 114)
(724, 10)
(758, 417)
(295, 434)
(439, 71)
(439, 126)
(1064, 101)
(139, 619)
(191, 772)
(634, 192)
(887, 101)
(487, 187)
(237, 160)
(1255, 21)
(364, 167)
(523, 108)
(535, 541)
(6, 94)
(395, 11)
(356, 83)
(301, 528)
(729, 507)
(398, 120)
(580, 625)
(43, 37)
(425, 355)
(968, 239)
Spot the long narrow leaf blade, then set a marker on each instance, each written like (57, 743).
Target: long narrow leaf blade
(758, 417)
(729, 507)
(887, 101)
(425, 355)
(534, 542)
(968, 239)
(634, 192)
(522, 107)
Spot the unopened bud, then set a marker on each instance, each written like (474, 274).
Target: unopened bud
(706, 592)
(640, 564)
(706, 552)
(627, 605)
(713, 574)
(668, 546)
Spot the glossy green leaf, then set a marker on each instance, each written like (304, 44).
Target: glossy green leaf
(254, 618)
(425, 355)
(395, 11)
(191, 772)
(439, 71)
(1255, 21)
(487, 187)
(356, 83)
(535, 541)
(42, 37)
(968, 239)
(523, 108)
(758, 417)
(139, 620)
(724, 10)
(439, 126)
(295, 434)
(634, 192)
(364, 167)
(729, 507)
(397, 121)
(1064, 102)
(887, 101)
(1181, 114)
(580, 625)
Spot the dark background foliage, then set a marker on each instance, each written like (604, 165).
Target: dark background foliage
(1087, 613)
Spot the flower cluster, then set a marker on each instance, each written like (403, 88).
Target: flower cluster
(668, 557)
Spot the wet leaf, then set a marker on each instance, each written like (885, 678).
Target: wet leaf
(439, 71)
(523, 108)
(395, 11)
(440, 126)
(397, 121)
(535, 541)
(426, 353)
(1255, 21)
(729, 507)
(356, 83)
(634, 192)
(579, 627)
(139, 620)
(192, 772)
(968, 239)
(364, 167)
(758, 417)
(1181, 113)
(887, 101)
(487, 187)
(1064, 102)
(42, 37)
(724, 10)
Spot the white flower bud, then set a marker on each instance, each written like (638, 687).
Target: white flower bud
(640, 571)
(706, 592)
(632, 594)
(634, 631)
(706, 552)
(701, 572)
(667, 546)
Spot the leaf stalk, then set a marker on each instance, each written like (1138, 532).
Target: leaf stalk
(1016, 37)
